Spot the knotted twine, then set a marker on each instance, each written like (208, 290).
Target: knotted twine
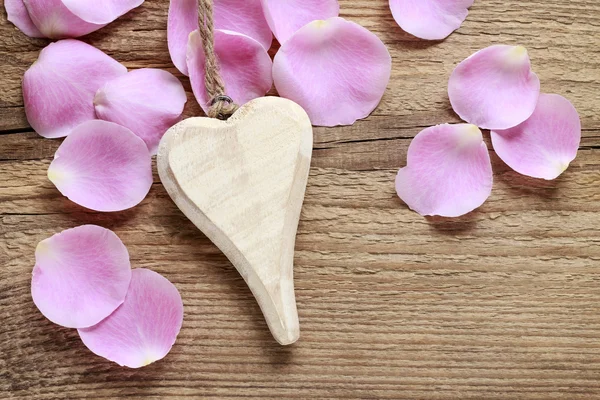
(221, 106)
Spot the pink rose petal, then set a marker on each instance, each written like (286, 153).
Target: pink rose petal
(147, 101)
(430, 19)
(545, 144)
(243, 16)
(144, 328)
(55, 20)
(59, 88)
(183, 20)
(18, 15)
(448, 172)
(285, 17)
(101, 11)
(335, 69)
(244, 65)
(81, 276)
(495, 87)
(102, 166)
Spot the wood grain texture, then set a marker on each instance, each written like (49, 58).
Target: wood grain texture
(503, 303)
(242, 183)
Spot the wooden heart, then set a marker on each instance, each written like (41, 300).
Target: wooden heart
(242, 183)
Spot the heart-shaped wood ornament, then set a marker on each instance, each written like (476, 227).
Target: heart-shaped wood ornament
(242, 183)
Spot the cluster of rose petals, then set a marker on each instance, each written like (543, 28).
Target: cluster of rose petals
(114, 120)
(83, 279)
(335, 69)
(535, 134)
(430, 19)
(58, 19)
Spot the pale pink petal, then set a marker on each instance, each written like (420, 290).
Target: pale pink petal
(102, 166)
(183, 20)
(59, 88)
(55, 20)
(144, 328)
(81, 276)
(430, 19)
(335, 69)
(448, 172)
(18, 15)
(545, 144)
(245, 67)
(147, 101)
(101, 11)
(285, 17)
(243, 16)
(495, 88)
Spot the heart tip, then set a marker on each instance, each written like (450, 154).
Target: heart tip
(287, 338)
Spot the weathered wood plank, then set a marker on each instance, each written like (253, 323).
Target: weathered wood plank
(501, 302)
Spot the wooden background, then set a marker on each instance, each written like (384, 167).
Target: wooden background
(503, 303)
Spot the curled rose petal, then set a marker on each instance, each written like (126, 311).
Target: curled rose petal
(59, 88)
(101, 11)
(448, 172)
(545, 144)
(144, 328)
(335, 69)
(183, 20)
(55, 20)
(285, 17)
(147, 101)
(81, 276)
(430, 19)
(18, 15)
(495, 88)
(102, 166)
(244, 64)
(245, 17)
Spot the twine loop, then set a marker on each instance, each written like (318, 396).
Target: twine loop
(222, 107)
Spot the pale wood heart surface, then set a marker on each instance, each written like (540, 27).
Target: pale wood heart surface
(242, 183)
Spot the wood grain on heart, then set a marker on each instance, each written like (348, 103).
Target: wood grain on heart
(242, 183)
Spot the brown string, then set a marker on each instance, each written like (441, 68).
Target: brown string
(220, 106)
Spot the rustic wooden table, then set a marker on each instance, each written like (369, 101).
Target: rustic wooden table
(503, 303)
